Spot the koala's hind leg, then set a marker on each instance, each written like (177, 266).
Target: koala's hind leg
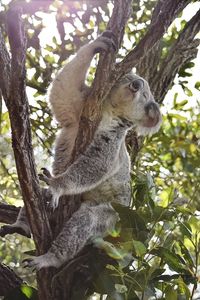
(88, 223)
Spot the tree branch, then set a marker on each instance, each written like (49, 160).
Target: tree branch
(33, 6)
(5, 68)
(8, 280)
(183, 50)
(36, 86)
(116, 24)
(101, 86)
(8, 213)
(18, 108)
(21, 133)
(92, 111)
(165, 13)
(148, 65)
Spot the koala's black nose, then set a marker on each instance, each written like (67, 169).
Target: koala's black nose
(136, 85)
(152, 109)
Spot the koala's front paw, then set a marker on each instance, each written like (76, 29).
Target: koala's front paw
(34, 263)
(109, 34)
(42, 261)
(105, 42)
(54, 187)
(45, 176)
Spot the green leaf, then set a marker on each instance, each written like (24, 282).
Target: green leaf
(110, 249)
(178, 117)
(138, 281)
(174, 261)
(170, 293)
(197, 85)
(185, 229)
(180, 105)
(106, 284)
(27, 290)
(24, 292)
(157, 273)
(120, 288)
(187, 91)
(130, 218)
(140, 248)
(182, 288)
(49, 59)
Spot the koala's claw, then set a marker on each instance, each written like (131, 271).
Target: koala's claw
(110, 34)
(54, 202)
(53, 205)
(29, 263)
(45, 176)
(106, 41)
(35, 263)
(43, 261)
(46, 172)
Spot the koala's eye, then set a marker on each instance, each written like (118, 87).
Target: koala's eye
(136, 85)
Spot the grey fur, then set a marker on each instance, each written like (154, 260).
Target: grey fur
(102, 173)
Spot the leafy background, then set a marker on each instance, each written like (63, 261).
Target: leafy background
(157, 251)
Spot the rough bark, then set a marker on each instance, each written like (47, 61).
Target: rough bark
(160, 73)
(33, 6)
(184, 49)
(5, 68)
(14, 92)
(8, 280)
(92, 110)
(164, 14)
(8, 213)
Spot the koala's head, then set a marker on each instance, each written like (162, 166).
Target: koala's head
(131, 99)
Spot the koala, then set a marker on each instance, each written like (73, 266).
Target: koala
(102, 173)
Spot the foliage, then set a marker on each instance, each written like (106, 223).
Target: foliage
(24, 292)
(156, 247)
(11, 249)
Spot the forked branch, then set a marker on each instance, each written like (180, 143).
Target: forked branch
(165, 13)
(184, 49)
